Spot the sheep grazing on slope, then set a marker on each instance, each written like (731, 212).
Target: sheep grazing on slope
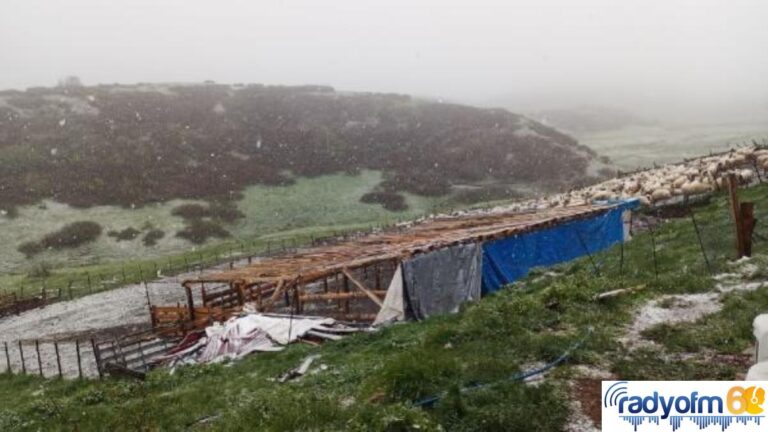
(662, 183)
(695, 187)
(661, 194)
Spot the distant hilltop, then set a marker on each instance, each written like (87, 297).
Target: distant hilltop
(136, 144)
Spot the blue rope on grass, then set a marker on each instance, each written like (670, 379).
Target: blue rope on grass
(432, 400)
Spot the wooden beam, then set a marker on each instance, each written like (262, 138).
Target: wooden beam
(362, 288)
(337, 296)
(275, 295)
(190, 302)
(748, 222)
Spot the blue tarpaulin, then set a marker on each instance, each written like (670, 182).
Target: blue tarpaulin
(509, 259)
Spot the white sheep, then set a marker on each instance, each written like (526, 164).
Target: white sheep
(661, 194)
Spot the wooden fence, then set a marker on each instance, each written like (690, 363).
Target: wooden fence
(63, 359)
(54, 289)
(85, 358)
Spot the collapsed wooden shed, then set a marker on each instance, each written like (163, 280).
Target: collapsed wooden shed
(347, 280)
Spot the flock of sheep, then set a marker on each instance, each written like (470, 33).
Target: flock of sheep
(692, 177)
(658, 185)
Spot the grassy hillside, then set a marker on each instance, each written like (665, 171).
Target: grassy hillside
(372, 380)
(316, 204)
(262, 160)
(133, 145)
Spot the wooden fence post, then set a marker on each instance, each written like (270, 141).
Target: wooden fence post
(7, 358)
(21, 354)
(39, 362)
(96, 357)
(58, 358)
(79, 361)
(146, 292)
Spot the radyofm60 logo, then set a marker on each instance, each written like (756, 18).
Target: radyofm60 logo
(684, 406)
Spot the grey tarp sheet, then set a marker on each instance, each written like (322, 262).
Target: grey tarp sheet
(438, 282)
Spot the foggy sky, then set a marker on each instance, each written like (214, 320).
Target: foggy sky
(547, 51)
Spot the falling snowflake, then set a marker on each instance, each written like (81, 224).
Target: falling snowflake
(62, 122)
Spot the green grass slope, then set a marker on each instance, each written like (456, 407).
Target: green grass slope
(372, 380)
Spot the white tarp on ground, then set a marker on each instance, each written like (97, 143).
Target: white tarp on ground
(240, 336)
(393, 308)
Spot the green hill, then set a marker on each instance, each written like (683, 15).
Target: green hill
(133, 145)
(370, 381)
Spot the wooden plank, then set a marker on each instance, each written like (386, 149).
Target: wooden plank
(362, 288)
(338, 296)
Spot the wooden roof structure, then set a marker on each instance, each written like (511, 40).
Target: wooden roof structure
(308, 265)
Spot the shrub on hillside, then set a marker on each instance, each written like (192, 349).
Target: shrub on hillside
(198, 231)
(224, 211)
(30, 248)
(190, 211)
(69, 236)
(129, 233)
(391, 201)
(72, 235)
(151, 238)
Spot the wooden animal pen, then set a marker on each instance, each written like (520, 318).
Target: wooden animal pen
(348, 280)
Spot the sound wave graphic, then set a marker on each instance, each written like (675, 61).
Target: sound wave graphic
(613, 393)
(638, 420)
(701, 421)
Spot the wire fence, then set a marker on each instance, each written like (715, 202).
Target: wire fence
(55, 288)
(702, 240)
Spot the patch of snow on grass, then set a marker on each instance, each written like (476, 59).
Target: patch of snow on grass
(670, 309)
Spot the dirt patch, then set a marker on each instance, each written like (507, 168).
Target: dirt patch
(578, 420)
(589, 393)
